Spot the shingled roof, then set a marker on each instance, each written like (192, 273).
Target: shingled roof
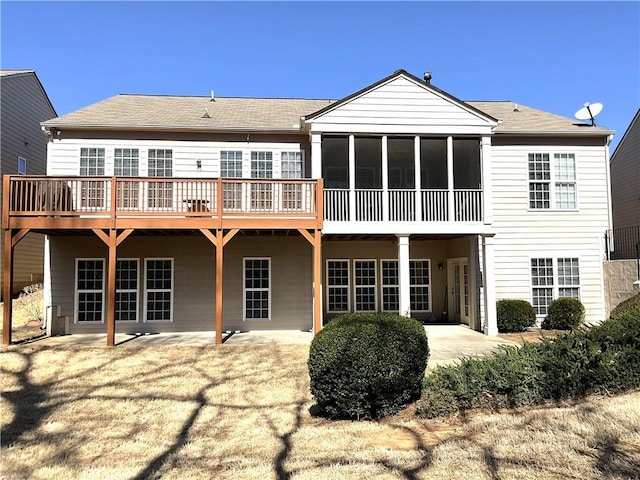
(132, 112)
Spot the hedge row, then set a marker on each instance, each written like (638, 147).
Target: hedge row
(603, 358)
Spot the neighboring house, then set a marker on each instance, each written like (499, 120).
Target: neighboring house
(24, 104)
(399, 197)
(625, 192)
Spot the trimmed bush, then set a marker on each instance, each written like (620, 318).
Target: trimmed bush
(515, 315)
(628, 304)
(366, 366)
(564, 314)
(601, 359)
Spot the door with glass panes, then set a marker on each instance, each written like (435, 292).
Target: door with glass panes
(459, 290)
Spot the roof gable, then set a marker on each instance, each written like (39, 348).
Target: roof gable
(403, 99)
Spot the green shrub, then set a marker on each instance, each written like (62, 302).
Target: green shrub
(564, 313)
(365, 366)
(628, 304)
(602, 358)
(515, 315)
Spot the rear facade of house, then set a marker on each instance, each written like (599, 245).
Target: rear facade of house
(199, 213)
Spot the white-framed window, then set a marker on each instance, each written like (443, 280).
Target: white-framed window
(553, 279)
(160, 165)
(365, 285)
(22, 166)
(126, 162)
(257, 288)
(419, 282)
(338, 286)
(291, 164)
(92, 193)
(158, 281)
(545, 194)
(390, 285)
(89, 290)
(231, 167)
(127, 289)
(261, 193)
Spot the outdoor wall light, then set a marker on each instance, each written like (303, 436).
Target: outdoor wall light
(440, 266)
(199, 164)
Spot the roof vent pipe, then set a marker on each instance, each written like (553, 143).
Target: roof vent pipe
(213, 98)
(427, 77)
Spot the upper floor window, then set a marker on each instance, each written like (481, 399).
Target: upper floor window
(160, 163)
(401, 159)
(433, 164)
(335, 162)
(125, 162)
(545, 193)
(91, 161)
(291, 164)
(22, 166)
(368, 152)
(231, 163)
(261, 165)
(466, 164)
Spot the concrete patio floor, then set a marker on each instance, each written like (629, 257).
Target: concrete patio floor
(447, 343)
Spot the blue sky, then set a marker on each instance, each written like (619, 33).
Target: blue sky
(549, 55)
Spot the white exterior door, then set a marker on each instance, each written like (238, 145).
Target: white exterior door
(459, 290)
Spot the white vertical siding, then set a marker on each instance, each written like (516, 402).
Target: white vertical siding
(523, 233)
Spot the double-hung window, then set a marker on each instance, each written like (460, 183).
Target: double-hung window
(92, 192)
(419, 285)
(552, 185)
(337, 286)
(231, 167)
(390, 285)
(261, 193)
(127, 290)
(365, 288)
(126, 164)
(291, 167)
(553, 278)
(160, 165)
(89, 290)
(257, 288)
(158, 274)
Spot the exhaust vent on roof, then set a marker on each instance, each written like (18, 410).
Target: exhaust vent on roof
(427, 77)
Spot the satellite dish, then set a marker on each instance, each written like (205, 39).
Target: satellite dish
(589, 112)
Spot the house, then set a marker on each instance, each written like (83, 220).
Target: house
(170, 213)
(625, 193)
(23, 149)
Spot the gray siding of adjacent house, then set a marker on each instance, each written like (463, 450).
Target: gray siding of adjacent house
(625, 178)
(24, 104)
(194, 280)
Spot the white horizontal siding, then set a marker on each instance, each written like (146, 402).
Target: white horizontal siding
(400, 104)
(64, 155)
(523, 234)
(625, 178)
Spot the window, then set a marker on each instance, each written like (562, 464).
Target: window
(337, 286)
(160, 165)
(559, 194)
(368, 151)
(365, 285)
(466, 164)
(125, 163)
(390, 286)
(92, 193)
(433, 163)
(127, 290)
(401, 160)
(158, 274)
(291, 167)
(544, 285)
(231, 167)
(419, 285)
(22, 166)
(89, 290)
(261, 193)
(565, 176)
(257, 288)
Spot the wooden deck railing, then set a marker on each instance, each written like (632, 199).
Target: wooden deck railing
(159, 197)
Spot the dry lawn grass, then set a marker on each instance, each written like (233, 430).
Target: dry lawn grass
(24, 311)
(239, 412)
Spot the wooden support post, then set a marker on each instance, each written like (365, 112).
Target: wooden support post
(219, 282)
(317, 282)
(7, 323)
(111, 289)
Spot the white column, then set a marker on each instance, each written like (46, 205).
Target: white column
(352, 178)
(404, 278)
(450, 198)
(385, 180)
(47, 309)
(418, 179)
(316, 155)
(489, 283)
(487, 188)
(474, 287)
